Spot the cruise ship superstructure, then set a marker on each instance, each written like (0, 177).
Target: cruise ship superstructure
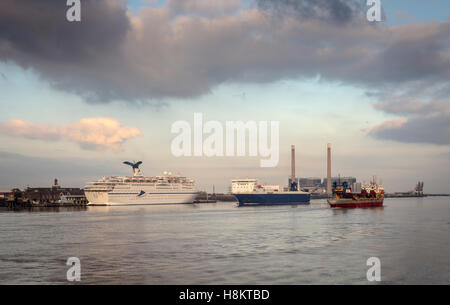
(138, 189)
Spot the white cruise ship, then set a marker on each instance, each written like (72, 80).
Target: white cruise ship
(165, 189)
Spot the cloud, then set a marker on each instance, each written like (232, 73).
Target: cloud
(186, 48)
(206, 8)
(71, 56)
(90, 133)
(411, 107)
(434, 129)
(336, 11)
(425, 122)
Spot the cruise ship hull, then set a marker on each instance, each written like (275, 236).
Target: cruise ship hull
(104, 198)
(272, 199)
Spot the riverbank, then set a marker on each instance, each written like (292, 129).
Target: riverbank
(202, 198)
(26, 204)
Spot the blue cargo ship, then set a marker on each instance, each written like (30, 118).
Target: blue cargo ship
(273, 199)
(249, 192)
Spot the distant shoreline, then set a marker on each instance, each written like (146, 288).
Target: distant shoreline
(24, 205)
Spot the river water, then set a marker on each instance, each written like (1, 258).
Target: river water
(225, 244)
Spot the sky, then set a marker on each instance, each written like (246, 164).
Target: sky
(79, 98)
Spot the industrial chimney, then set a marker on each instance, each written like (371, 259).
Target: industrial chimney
(329, 169)
(292, 163)
(293, 185)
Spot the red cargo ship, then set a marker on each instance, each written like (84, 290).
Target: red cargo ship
(371, 195)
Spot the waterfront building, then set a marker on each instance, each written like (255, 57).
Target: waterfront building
(50, 194)
(6, 195)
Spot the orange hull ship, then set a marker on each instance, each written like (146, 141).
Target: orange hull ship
(371, 195)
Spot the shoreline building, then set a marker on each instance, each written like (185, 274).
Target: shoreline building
(51, 194)
(6, 194)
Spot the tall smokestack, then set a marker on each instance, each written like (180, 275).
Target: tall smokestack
(329, 169)
(292, 163)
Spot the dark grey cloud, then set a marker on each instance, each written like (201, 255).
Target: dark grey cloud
(71, 55)
(432, 129)
(38, 30)
(167, 52)
(337, 11)
(414, 52)
(422, 122)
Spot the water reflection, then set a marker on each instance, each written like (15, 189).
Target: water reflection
(44, 209)
(220, 243)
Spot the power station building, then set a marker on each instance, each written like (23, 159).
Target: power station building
(315, 184)
(307, 182)
(349, 180)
